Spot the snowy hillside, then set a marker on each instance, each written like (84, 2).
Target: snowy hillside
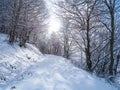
(14, 60)
(28, 69)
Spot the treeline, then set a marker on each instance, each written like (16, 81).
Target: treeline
(22, 20)
(94, 27)
(90, 35)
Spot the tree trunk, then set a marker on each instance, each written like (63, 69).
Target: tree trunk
(88, 54)
(112, 43)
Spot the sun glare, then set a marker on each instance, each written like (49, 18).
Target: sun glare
(54, 25)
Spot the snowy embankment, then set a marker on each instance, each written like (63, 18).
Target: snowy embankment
(28, 69)
(14, 61)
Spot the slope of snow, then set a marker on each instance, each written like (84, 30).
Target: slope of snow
(28, 69)
(14, 60)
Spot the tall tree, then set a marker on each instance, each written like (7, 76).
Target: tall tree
(82, 17)
(111, 8)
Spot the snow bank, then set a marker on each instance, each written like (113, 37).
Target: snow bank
(15, 60)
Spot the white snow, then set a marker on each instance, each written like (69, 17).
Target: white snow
(34, 71)
(14, 61)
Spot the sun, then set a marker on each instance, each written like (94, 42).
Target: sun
(54, 25)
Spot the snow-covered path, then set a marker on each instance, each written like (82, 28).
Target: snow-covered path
(27, 69)
(56, 73)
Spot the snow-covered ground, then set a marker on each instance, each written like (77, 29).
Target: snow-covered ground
(28, 69)
(14, 61)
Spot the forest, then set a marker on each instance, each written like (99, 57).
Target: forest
(88, 35)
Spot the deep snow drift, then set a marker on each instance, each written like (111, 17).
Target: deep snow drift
(28, 69)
